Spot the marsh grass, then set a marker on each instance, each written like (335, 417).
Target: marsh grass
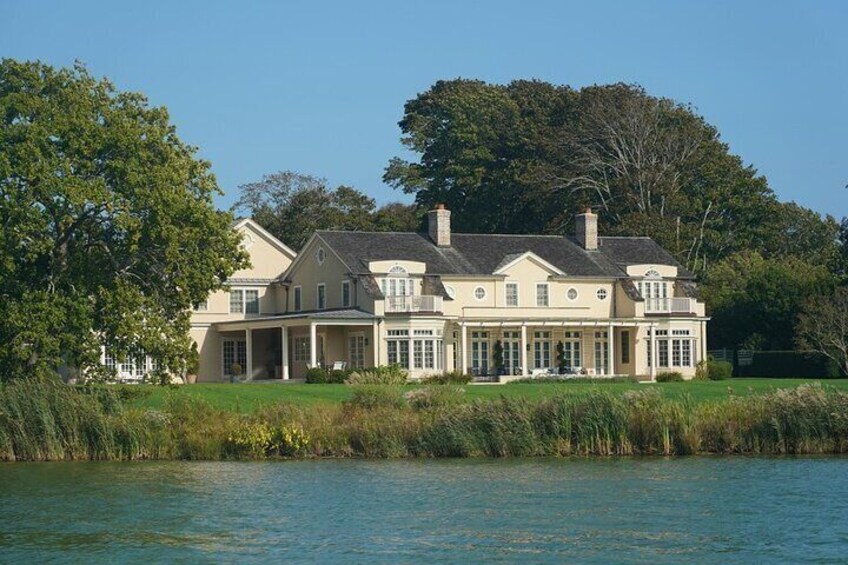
(45, 420)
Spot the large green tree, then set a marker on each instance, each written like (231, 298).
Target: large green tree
(108, 230)
(292, 206)
(524, 157)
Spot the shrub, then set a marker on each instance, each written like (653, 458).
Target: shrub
(434, 397)
(779, 364)
(288, 440)
(448, 377)
(370, 396)
(670, 377)
(719, 370)
(316, 375)
(702, 372)
(388, 375)
(574, 380)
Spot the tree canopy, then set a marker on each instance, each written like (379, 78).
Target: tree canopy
(292, 206)
(101, 204)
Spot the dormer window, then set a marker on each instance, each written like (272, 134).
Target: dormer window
(653, 286)
(397, 282)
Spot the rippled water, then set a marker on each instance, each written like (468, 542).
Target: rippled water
(718, 510)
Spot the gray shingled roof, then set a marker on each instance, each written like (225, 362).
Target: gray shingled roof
(476, 254)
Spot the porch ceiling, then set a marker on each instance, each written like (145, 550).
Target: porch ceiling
(344, 317)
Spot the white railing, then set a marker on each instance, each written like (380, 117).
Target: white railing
(669, 306)
(422, 303)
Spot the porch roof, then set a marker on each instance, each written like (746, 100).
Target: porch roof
(343, 316)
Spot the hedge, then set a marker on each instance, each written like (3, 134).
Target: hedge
(788, 364)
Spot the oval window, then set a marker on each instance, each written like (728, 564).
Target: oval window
(572, 294)
(320, 256)
(602, 294)
(480, 293)
(451, 291)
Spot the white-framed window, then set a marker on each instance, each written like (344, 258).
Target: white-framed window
(451, 291)
(542, 295)
(571, 349)
(202, 306)
(234, 351)
(480, 352)
(298, 298)
(602, 294)
(511, 294)
(397, 283)
(625, 347)
(320, 256)
(244, 301)
(345, 294)
(572, 294)
(541, 350)
(301, 349)
(480, 293)
(320, 296)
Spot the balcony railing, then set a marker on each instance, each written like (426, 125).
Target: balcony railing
(422, 303)
(669, 306)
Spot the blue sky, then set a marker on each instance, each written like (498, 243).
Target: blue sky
(319, 87)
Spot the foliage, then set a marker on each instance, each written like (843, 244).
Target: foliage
(371, 396)
(560, 358)
(386, 375)
(789, 364)
(448, 377)
(719, 370)
(823, 327)
(670, 377)
(498, 356)
(754, 300)
(318, 375)
(293, 206)
(434, 397)
(101, 203)
(572, 380)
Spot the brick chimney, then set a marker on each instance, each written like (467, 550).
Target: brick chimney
(438, 225)
(586, 230)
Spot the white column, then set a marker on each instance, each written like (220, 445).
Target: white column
(313, 345)
(284, 344)
(703, 341)
(464, 335)
(654, 353)
(249, 350)
(375, 343)
(611, 349)
(524, 368)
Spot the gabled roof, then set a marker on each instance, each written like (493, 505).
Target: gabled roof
(266, 235)
(485, 254)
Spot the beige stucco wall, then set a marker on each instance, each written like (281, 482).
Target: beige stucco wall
(307, 273)
(638, 271)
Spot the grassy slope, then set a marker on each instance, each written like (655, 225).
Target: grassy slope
(247, 397)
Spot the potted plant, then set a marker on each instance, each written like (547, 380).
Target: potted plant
(192, 365)
(560, 357)
(235, 371)
(499, 358)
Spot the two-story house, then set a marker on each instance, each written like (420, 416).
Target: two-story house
(442, 301)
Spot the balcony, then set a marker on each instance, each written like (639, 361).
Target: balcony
(670, 306)
(423, 303)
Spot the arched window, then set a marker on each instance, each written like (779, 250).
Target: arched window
(397, 271)
(652, 274)
(398, 283)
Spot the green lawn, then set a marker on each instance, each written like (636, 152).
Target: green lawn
(248, 397)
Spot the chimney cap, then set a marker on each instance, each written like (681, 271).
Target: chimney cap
(588, 210)
(440, 206)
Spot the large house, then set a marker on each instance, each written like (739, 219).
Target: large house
(442, 301)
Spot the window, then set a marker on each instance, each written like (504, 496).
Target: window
(451, 291)
(201, 306)
(301, 349)
(625, 347)
(236, 301)
(480, 354)
(398, 350)
(298, 298)
(251, 301)
(542, 295)
(571, 349)
(397, 283)
(356, 350)
(512, 294)
(480, 293)
(320, 255)
(663, 353)
(572, 294)
(320, 296)
(601, 355)
(601, 294)
(234, 353)
(345, 294)
(244, 301)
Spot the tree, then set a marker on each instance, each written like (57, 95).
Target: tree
(109, 231)
(823, 327)
(754, 301)
(292, 206)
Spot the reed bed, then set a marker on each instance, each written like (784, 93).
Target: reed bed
(43, 420)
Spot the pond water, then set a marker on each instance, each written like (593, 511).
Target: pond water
(698, 509)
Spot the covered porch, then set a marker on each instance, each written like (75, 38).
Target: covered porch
(286, 346)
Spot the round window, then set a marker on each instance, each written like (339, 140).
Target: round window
(320, 256)
(479, 293)
(451, 291)
(601, 294)
(572, 294)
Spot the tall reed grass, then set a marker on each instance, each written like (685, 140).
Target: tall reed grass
(42, 420)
